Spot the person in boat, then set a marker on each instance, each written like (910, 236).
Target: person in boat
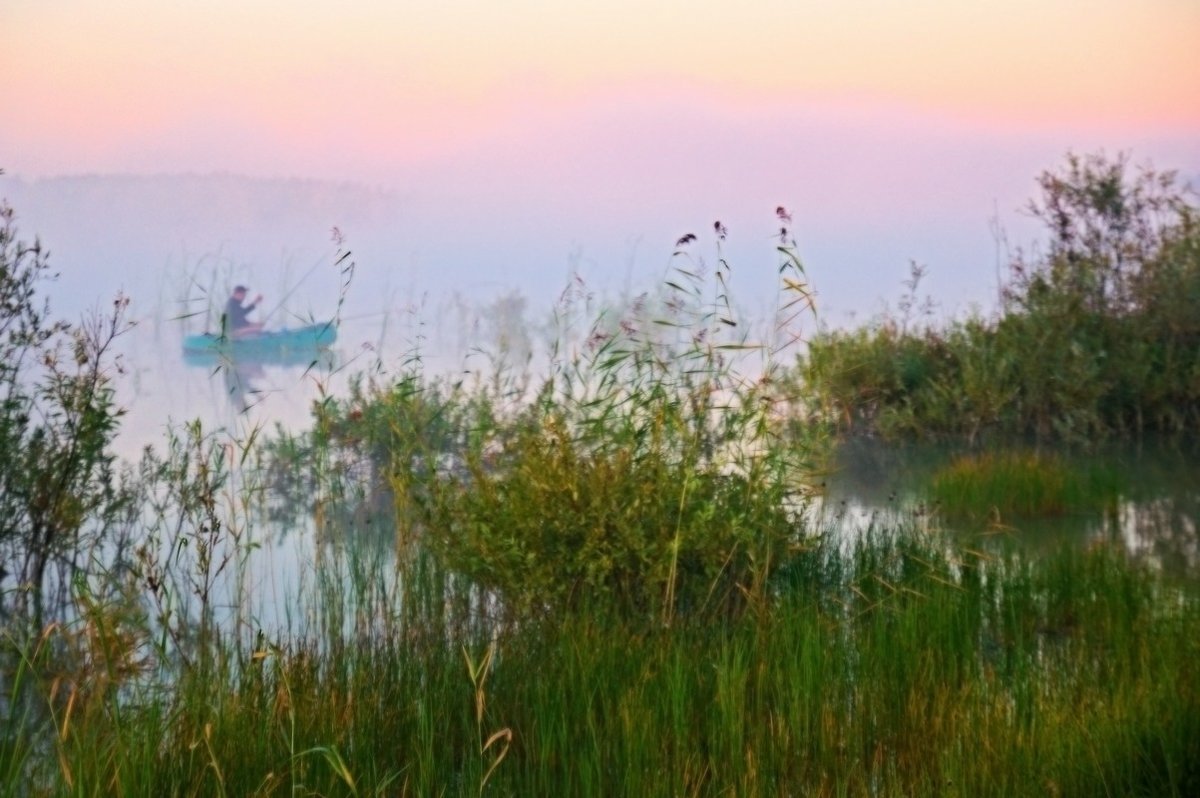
(236, 321)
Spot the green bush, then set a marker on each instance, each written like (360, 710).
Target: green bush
(645, 472)
(1098, 337)
(1015, 483)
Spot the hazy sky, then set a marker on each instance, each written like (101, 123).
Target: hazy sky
(894, 129)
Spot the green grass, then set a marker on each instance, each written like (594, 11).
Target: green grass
(1023, 484)
(903, 667)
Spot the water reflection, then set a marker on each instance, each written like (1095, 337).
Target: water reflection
(247, 377)
(1162, 529)
(1155, 517)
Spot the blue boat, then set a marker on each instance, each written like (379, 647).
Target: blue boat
(268, 344)
(322, 358)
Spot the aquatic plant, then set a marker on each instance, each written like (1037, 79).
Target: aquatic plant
(901, 665)
(606, 585)
(644, 469)
(1017, 483)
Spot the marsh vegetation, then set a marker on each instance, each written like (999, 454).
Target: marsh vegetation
(614, 575)
(1097, 336)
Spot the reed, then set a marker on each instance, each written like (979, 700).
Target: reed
(903, 666)
(1021, 484)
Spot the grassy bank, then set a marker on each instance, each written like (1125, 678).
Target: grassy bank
(902, 668)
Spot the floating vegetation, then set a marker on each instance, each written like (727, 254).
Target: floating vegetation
(1026, 484)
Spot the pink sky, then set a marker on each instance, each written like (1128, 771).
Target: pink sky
(344, 89)
(883, 123)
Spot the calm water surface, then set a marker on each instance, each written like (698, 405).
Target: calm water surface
(1156, 515)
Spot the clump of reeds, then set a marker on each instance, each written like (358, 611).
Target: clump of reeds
(1021, 483)
(644, 471)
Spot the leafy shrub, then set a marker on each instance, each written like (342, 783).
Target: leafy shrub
(1098, 337)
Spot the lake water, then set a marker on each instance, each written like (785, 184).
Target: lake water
(1156, 515)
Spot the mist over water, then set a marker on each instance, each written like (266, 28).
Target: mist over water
(600, 194)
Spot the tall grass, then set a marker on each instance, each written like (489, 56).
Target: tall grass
(902, 668)
(644, 462)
